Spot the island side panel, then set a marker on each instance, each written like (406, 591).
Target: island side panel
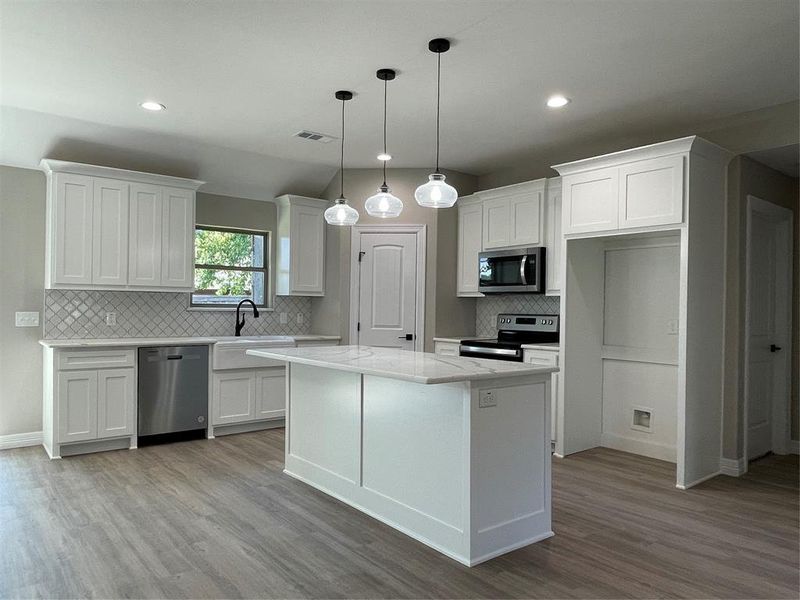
(415, 463)
(323, 421)
(511, 460)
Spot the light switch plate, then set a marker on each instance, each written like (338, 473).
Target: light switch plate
(299, 318)
(26, 319)
(284, 318)
(111, 318)
(486, 399)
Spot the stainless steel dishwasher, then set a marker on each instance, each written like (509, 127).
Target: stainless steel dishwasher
(173, 389)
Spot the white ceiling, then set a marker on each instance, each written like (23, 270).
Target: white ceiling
(246, 75)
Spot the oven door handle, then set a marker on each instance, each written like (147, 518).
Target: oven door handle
(522, 264)
(485, 350)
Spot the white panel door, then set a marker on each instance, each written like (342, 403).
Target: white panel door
(270, 393)
(110, 232)
(177, 239)
(651, 192)
(496, 231)
(388, 288)
(525, 219)
(77, 406)
(762, 333)
(308, 250)
(470, 239)
(115, 403)
(72, 228)
(553, 240)
(234, 397)
(590, 201)
(144, 243)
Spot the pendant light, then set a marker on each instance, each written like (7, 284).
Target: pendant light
(384, 204)
(436, 193)
(342, 213)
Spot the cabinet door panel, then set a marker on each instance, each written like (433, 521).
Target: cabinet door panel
(177, 241)
(144, 262)
(525, 219)
(495, 223)
(271, 393)
(554, 241)
(110, 232)
(590, 201)
(308, 245)
(72, 229)
(77, 406)
(234, 397)
(115, 403)
(470, 239)
(651, 192)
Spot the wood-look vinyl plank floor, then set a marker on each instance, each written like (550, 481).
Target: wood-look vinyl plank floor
(219, 519)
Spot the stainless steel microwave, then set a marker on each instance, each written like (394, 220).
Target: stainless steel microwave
(512, 271)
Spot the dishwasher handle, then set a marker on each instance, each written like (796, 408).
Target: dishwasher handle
(175, 357)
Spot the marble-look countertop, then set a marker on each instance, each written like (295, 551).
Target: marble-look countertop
(180, 341)
(551, 346)
(418, 367)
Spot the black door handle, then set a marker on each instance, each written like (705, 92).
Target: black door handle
(774, 348)
(408, 336)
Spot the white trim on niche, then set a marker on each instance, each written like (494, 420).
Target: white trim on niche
(20, 440)
(732, 466)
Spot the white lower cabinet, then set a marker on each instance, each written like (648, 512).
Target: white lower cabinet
(547, 358)
(91, 403)
(244, 395)
(446, 348)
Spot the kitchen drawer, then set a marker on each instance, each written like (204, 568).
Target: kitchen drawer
(111, 358)
(233, 355)
(542, 358)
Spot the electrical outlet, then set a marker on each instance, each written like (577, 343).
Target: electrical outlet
(284, 318)
(299, 318)
(26, 319)
(486, 399)
(111, 319)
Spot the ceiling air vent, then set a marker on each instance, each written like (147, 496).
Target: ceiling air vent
(314, 136)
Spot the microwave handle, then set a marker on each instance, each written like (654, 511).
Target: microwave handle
(522, 264)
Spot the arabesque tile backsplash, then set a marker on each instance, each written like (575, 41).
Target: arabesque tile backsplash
(70, 314)
(488, 307)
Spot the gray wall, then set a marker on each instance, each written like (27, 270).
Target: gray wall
(747, 177)
(22, 196)
(445, 314)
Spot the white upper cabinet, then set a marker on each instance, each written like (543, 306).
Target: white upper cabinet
(69, 224)
(115, 229)
(553, 237)
(513, 215)
(110, 232)
(146, 214)
(177, 239)
(300, 263)
(651, 192)
(470, 239)
(590, 201)
(640, 188)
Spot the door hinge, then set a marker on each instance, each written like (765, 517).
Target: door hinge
(361, 256)
(358, 326)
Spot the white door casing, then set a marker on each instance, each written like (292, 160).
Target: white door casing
(387, 286)
(768, 314)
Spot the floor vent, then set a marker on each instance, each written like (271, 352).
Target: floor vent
(314, 136)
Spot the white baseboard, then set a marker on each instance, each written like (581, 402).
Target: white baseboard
(794, 446)
(20, 440)
(732, 466)
(649, 449)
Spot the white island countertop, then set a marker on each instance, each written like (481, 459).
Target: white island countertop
(418, 367)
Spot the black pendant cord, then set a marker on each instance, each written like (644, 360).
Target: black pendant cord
(438, 94)
(341, 157)
(385, 84)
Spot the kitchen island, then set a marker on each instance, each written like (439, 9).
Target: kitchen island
(452, 451)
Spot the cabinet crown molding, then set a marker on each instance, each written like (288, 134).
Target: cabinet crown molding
(537, 185)
(287, 199)
(692, 143)
(51, 165)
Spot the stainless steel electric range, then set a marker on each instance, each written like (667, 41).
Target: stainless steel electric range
(512, 332)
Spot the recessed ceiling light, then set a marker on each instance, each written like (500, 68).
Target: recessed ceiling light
(557, 101)
(384, 156)
(154, 106)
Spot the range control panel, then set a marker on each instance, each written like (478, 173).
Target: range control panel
(509, 322)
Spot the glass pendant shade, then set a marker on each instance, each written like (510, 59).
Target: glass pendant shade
(384, 204)
(341, 214)
(436, 193)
